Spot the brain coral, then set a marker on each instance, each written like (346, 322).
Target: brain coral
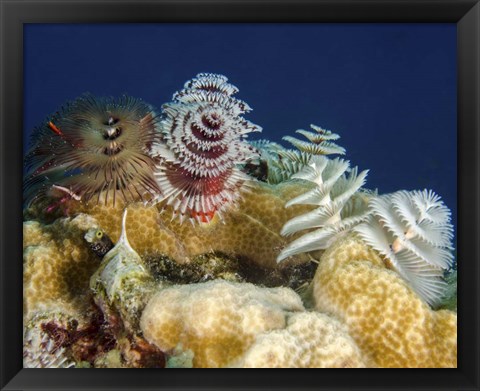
(57, 266)
(217, 320)
(389, 322)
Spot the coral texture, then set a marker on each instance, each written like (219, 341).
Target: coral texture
(249, 232)
(203, 142)
(390, 323)
(57, 266)
(336, 212)
(310, 340)
(413, 231)
(94, 147)
(217, 320)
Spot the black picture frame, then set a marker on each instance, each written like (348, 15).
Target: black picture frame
(14, 13)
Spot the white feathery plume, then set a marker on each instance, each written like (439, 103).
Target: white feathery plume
(283, 163)
(337, 210)
(412, 230)
(319, 142)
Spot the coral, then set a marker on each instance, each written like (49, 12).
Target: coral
(249, 232)
(57, 266)
(412, 231)
(92, 148)
(310, 340)
(202, 144)
(217, 320)
(226, 324)
(199, 282)
(336, 211)
(389, 322)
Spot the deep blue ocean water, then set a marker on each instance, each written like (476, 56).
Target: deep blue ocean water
(389, 90)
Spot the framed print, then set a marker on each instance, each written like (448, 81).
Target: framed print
(240, 186)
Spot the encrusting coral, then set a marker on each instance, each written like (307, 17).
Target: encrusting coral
(392, 325)
(226, 324)
(381, 321)
(217, 320)
(310, 340)
(57, 266)
(249, 231)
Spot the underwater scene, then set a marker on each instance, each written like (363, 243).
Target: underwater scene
(240, 196)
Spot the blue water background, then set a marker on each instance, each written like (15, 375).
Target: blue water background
(389, 90)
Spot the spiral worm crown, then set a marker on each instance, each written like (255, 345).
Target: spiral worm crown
(202, 145)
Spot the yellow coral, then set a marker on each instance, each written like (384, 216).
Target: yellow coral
(311, 340)
(249, 231)
(57, 266)
(389, 322)
(217, 321)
